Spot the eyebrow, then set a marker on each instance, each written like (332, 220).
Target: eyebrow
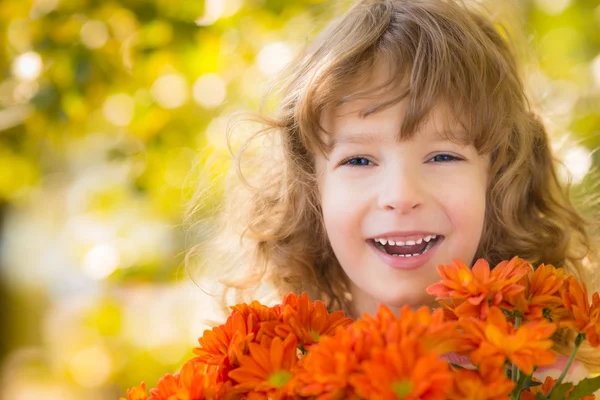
(356, 138)
(372, 137)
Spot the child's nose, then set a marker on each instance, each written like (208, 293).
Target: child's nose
(401, 192)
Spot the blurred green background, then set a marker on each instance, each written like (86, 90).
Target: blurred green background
(109, 114)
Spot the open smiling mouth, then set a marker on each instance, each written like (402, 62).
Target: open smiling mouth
(407, 249)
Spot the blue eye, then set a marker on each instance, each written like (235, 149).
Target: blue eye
(357, 162)
(444, 158)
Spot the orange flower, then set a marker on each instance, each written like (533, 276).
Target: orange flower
(473, 290)
(267, 367)
(305, 319)
(431, 327)
(189, 384)
(335, 365)
(225, 344)
(531, 392)
(434, 331)
(324, 371)
(578, 314)
(404, 370)
(542, 293)
(136, 393)
(483, 384)
(496, 339)
(262, 312)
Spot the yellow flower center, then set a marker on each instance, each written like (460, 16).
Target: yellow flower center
(279, 378)
(402, 389)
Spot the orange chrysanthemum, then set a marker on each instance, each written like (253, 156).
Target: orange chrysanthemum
(495, 340)
(431, 327)
(225, 344)
(531, 392)
(306, 319)
(267, 367)
(189, 384)
(473, 290)
(325, 370)
(137, 393)
(541, 297)
(578, 314)
(333, 367)
(404, 370)
(255, 354)
(482, 384)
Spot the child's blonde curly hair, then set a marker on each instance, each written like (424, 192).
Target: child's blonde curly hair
(440, 52)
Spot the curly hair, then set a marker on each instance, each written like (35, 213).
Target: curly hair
(439, 52)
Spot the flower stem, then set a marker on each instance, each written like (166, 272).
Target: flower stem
(578, 341)
(514, 370)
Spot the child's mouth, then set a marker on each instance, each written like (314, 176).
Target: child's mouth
(406, 249)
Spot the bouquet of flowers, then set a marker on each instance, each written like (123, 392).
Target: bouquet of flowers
(501, 319)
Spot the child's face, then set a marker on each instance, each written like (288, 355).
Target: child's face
(374, 187)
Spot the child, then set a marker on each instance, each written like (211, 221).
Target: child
(403, 139)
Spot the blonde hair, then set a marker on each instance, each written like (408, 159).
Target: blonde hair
(438, 52)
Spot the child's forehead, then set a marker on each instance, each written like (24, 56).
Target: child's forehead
(365, 120)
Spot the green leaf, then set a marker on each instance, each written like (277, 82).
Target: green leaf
(560, 392)
(586, 387)
(525, 382)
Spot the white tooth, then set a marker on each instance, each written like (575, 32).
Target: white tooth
(410, 243)
(408, 255)
(399, 243)
(391, 243)
(433, 236)
(382, 241)
(419, 241)
(427, 238)
(416, 254)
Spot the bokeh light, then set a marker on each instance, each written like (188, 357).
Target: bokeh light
(101, 261)
(595, 66)
(27, 66)
(170, 91)
(41, 7)
(578, 161)
(91, 367)
(273, 57)
(24, 91)
(215, 9)
(209, 90)
(553, 7)
(216, 132)
(94, 34)
(119, 109)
